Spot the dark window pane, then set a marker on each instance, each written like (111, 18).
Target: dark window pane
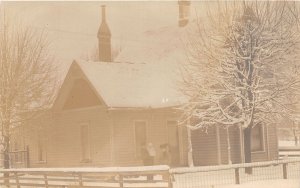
(140, 137)
(257, 138)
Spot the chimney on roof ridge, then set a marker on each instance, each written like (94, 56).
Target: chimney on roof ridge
(103, 13)
(104, 39)
(184, 12)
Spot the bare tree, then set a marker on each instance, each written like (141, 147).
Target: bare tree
(27, 77)
(241, 68)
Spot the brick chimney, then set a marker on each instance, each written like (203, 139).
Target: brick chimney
(184, 12)
(104, 39)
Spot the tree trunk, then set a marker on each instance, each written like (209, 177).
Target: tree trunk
(247, 148)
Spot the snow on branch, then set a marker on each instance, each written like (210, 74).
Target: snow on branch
(241, 67)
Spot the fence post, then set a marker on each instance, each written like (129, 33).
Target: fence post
(46, 180)
(121, 181)
(170, 180)
(80, 179)
(17, 180)
(237, 175)
(284, 168)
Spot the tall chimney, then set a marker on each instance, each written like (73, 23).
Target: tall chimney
(184, 12)
(103, 13)
(104, 39)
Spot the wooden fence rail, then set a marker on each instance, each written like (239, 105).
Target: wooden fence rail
(263, 170)
(151, 176)
(289, 151)
(123, 177)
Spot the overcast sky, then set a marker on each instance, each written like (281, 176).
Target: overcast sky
(72, 26)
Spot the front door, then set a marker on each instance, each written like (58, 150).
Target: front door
(173, 141)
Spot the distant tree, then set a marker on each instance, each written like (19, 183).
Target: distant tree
(241, 66)
(28, 80)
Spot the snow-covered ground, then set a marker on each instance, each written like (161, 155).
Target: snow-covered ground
(276, 183)
(205, 178)
(291, 183)
(263, 176)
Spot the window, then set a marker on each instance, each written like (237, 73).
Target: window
(41, 152)
(85, 143)
(257, 143)
(140, 137)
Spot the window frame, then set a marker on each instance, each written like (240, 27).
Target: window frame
(41, 148)
(137, 156)
(262, 137)
(89, 154)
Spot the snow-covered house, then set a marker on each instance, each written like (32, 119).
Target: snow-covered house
(105, 111)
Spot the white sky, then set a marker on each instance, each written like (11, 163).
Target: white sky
(72, 26)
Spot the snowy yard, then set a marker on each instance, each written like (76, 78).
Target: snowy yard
(264, 175)
(291, 183)
(226, 177)
(276, 183)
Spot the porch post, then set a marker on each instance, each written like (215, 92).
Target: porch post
(218, 145)
(112, 145)
(267, 139)
(228, 146)
(190, 148)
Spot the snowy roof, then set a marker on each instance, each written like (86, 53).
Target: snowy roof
(146, 73)
(164, 45)
(133, 85)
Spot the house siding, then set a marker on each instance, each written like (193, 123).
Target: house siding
(124, 143)
(273, 141)
(235, 146)
(111, 133)
(62, 139)
(204, 144)
(124, 150)
(270, 149)
(112, 139)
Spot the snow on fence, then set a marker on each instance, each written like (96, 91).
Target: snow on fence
(123, 177)
(149, 177)
(210, 176)
(289, 151)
